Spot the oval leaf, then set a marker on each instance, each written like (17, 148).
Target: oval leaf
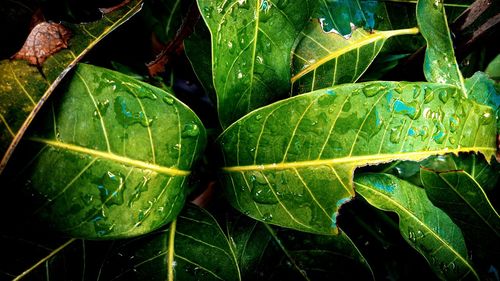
(111, 158)
(458, 186)
(24, 88)
(192, 248)
(425, 227)
(291, 163)
(251, 45)
(323, 60)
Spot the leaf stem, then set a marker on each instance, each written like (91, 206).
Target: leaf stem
(26, 272)
(171, 252)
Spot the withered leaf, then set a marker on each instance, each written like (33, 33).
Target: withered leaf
(44, 40)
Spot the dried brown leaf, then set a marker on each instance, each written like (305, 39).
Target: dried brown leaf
(44, 40)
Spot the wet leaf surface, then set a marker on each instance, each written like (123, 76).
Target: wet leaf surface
(24, 89)
(291, 163)
(425, 227)
(251, 46)
(323, 60)
(110, 159)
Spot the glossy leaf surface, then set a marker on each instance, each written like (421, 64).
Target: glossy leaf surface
(111, 158)
(323, 60)
(459, 186)
(194, 248)
(24, 89)
(425, 227)
(481, 89)
(251, 46)
(291, 163)
(440, 64)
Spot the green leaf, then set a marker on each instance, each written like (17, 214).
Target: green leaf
(164, 17)
(336, 16)
(291, 163)
(24, 89)
(197, 48)
(192, 248)
(440, 64)
(425, 227)
(458, 186)
(251, 46)
(283, 254)
(323, 60)
(481, 89)
(493, 68)
(110, 159)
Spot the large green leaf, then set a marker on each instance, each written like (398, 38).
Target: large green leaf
(23, 89)
(440, 64)
(323, 60)
(192, 248)
(425, 227)
(266, 253)
(110, 159)
(291, 163)
(251, 45)
(459, 186)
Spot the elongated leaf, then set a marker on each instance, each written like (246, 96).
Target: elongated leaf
(440, 64)
(291, 163)
(493, 69)
(458, 186)
(251, 46)
(110, 159)
(425, 227)
(481, 89)
(266, 253)
(23, 89)
(323, 60)
(193, 248)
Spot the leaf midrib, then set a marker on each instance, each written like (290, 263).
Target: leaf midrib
(364, 159)
(113, 157)
(381, 35)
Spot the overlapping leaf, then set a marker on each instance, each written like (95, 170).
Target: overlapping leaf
(440, 64)
(193, 248)
(24, 89)
(291, 163)
(459, 186)
(110, 159)
(323, 60)
(425, 227)
(251, 46)
(481, 89)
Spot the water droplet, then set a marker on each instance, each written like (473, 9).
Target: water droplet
(229, 44)
(260, 59)
(443, 96)
(190, 130)
(138, 190)
(240, 75)
(411, 236)
(330, 92)
(258, 117)
(267, 217)
(87, 198)
(168, 100)
(126, 118)
(396, 134)
(102, 107)
(440, 134)
(140, 91)
(265, 6)
(454, 122)
(347, 106)
(486, 118)
(428, 95)
(111, 186)
(452, 140)
(373, 89)
(411, 110)
(437, 4)
(101, 226)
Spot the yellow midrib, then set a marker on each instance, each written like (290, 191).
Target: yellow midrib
(362, 160)
(362, 42)
(113, 157)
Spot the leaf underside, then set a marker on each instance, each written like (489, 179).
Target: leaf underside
(291, 163)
